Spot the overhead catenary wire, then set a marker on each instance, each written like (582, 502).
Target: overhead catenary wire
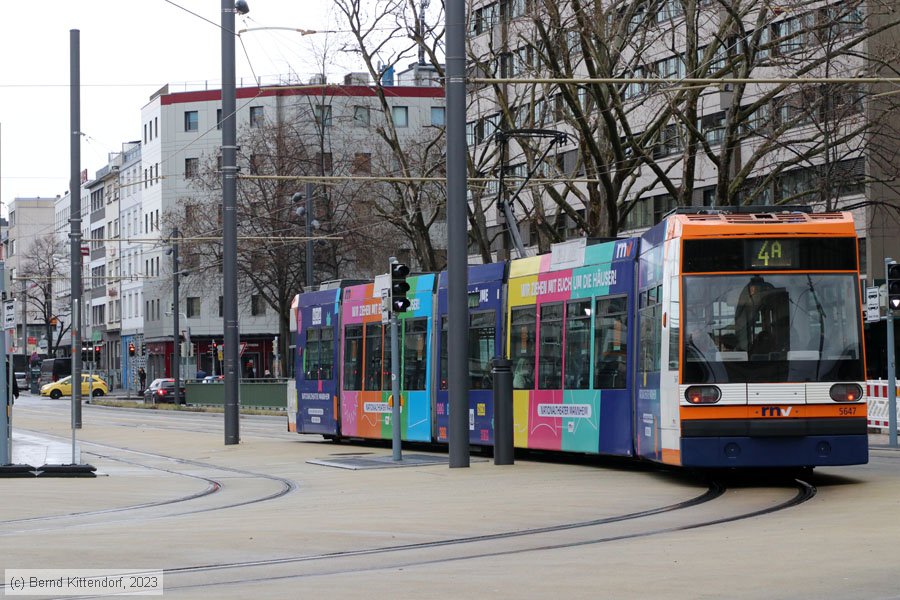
(691, 81)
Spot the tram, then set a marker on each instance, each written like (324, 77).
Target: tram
(715, 339)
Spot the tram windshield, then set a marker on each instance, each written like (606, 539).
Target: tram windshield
(772, 328)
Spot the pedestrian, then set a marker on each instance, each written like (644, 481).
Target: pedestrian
(251, 372)
(142, 377)
(15, 385)
(267, 374)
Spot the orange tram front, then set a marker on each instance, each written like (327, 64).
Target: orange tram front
(752, 339)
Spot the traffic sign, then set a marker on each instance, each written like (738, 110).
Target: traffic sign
(873, 308)
(9, 314)
(242, 347)
(85, 251)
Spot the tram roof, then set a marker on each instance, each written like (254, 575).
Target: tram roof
(779, 223)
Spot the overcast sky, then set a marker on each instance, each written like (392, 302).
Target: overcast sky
(129, 49)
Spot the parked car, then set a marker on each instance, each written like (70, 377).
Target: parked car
(22, 380)
(162, 390)
(63, 387)
(213, 379)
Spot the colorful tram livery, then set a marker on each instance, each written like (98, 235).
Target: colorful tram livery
(713, 340)
(485, 300)
(365, 397)
(318, 320)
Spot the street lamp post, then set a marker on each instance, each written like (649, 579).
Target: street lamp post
(457, 234)
(176, 346)
(75, 221)
(229, 223)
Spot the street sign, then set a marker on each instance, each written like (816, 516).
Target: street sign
(873, 309)
(85, 251)
(9, 314)
(385, 306)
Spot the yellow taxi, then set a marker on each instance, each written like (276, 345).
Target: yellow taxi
(63, 387)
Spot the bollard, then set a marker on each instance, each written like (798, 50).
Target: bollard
(504, 453)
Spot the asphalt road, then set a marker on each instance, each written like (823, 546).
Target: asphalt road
(258, 520)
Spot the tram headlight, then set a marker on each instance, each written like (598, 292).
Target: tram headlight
(702, 394)
(845, 392)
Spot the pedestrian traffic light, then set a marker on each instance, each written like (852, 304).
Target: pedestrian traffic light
(97, 353)
(399, 287)
(131, 349)
(84, 354)
(893, 286)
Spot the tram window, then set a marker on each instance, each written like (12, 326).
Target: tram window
(550, 357)
(326, 354)
(610, 343)
(444, 333)
(674, 348)
(311, 355)
(522, 336)
(373, 352)
(578, 345)
(651, 330)
(482, 332)
(353, 357)
(415, 340)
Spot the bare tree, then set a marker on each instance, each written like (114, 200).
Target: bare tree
(640, 147)
(46, 263)
(271, 252)
(413, 207)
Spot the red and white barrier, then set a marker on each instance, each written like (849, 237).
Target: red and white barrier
(876, 394)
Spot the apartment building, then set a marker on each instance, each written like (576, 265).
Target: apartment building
(28, 258)
(180, 155)
(626, 152)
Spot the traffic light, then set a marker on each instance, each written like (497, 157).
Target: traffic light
(84, 354)
(131, 349)
(399, 287)
(893, 286)
(97, 353)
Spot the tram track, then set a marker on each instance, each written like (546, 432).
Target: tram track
(137, 511)
(137, 418)
(676, 517)
(477, 547)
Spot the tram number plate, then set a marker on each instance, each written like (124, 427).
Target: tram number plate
(847, 410)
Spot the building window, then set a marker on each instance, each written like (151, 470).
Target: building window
(221, 306)
(324, 161)
(361, 116)
(323, 114)
(218, 118)
(254, 163)
(191, 167)
(438, 116)
(191, 120)
(257, 305)
(634, 88)
(362, 164)
(400, 114)
(193, 307)
(257, 116)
